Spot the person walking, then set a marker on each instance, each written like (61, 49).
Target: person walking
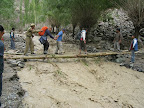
(133, 48)
(1, 58)
(12, 36)
(43, 39)
(83, 41)
(59, 42)
(117, 40)
(29, 36)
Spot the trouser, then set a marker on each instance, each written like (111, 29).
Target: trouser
(0, 86)
(132, 56)
(12, 44)
(29, 43)
(1, 71)
(46, 46)
(82, 44)
(116, 46)
(59, 47)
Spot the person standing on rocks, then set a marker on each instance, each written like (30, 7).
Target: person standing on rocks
(117, 40)
(133, 48)
(59, 42)
(29, 36)
(44, 40)
(1, 58)
(83, 41)
(12, 34)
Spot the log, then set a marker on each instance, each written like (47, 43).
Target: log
(91, 55)
(7, 53)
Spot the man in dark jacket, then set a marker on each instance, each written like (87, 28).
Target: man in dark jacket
(1, 59)
(44, 40)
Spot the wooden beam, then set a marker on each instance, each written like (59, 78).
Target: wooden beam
(90, 55)
(7, 53)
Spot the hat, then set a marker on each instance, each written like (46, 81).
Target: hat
(118, 29)
(32, 24)
(64, 29)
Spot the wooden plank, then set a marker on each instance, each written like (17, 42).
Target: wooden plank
(90, 55)
(7, 53)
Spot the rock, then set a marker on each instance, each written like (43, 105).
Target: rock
(142, 32)
(97, 39)
(111, 49)
(21, 65)
(122, 64)
(140, 70)
(119, 56)
(15, 63)
(120, 60)
(131, 65)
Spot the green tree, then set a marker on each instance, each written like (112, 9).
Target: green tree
(57, 12)
(7, 14)
(86, 13)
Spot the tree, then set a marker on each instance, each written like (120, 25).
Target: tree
(7, 13)
(135, 11)
(58, 12)
(86, 13)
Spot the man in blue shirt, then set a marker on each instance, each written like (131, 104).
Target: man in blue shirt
(59, 42)
(1, 59)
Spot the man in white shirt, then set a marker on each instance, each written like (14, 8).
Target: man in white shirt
(83, 41)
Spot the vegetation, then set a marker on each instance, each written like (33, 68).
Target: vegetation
(7, 13)
(82, 13)
(135, 11)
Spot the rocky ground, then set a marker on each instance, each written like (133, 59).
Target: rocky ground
(12, 94)
(21, 86)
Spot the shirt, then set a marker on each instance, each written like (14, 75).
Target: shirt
(60, 36)
(30, 32)
(11, 34)
(47, 33)
(134, 45)
(118, 37)
(1, 49)
(83, 35)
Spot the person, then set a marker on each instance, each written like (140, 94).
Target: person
(1, 58)
(44, 40)
(83, 41)
(29, 36)
(133, 48)
(59, 42)
(12, 34)
(117, 40)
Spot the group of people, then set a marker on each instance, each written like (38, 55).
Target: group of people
(58, 38)
(133, 47)
(43, 40)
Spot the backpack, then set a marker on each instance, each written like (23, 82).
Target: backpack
(78, 36)
(43, 29)
(43, 39)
